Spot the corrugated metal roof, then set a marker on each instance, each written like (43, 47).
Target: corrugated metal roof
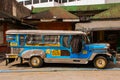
(111, 13)
(4, 15)
(53, 13)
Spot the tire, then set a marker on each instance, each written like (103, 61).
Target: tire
(100, 62)
(36, 62)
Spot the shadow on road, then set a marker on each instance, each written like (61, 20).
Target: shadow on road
(59, 65)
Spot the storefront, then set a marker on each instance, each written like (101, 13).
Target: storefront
(106, 31)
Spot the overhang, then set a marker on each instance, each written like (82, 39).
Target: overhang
(5, 17)
(99, 25)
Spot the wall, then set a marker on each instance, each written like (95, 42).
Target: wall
(3, 28)
(19, 10)
(13, 8)
(84, 2)
(48, 4)
(55, 26)
(6, 6)
(77, 3)
(112, 1)
(1, 34)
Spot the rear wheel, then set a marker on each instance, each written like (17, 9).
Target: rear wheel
(100, 62)
(36, 62)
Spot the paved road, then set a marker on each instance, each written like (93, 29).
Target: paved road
(62, 75)
(16, 67)
(16, 71)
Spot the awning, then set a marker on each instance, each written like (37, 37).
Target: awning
(99, 25)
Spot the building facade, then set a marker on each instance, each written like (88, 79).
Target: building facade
(11, 13)
(52, 3)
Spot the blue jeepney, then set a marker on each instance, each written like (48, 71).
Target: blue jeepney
(52, 46)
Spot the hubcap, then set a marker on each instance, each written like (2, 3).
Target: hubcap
(35, 61)
(101, 63)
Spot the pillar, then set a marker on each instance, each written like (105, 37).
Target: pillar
(4, 30)
(101, 36)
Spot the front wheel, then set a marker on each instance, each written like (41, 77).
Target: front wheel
(100, 62)
(36, 62)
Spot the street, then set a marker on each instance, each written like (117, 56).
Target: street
(60, 75)
(17, 67)
(58, 72)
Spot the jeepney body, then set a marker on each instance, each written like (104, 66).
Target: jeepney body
(55, 47)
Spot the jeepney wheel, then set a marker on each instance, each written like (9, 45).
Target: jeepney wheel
(36, 62)
(100, 62)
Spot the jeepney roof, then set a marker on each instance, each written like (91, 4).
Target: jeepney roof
(45, 32)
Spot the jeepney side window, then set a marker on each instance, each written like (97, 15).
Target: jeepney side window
(54, 39)
(85, 39)
(22, 40)
(66, 41)
(34, 39)
(11, 38)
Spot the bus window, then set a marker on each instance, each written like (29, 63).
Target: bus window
(54, 39)
(66, 41)
(11, 38)
(22, 40)
(34, 39)
(45, 39)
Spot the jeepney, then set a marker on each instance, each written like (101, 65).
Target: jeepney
(53, 46)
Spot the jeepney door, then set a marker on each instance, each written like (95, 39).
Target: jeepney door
(85, 52)
(81, 46)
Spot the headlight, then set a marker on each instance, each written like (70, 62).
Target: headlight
(108, 45)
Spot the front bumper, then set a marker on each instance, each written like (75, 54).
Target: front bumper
(113, 54)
